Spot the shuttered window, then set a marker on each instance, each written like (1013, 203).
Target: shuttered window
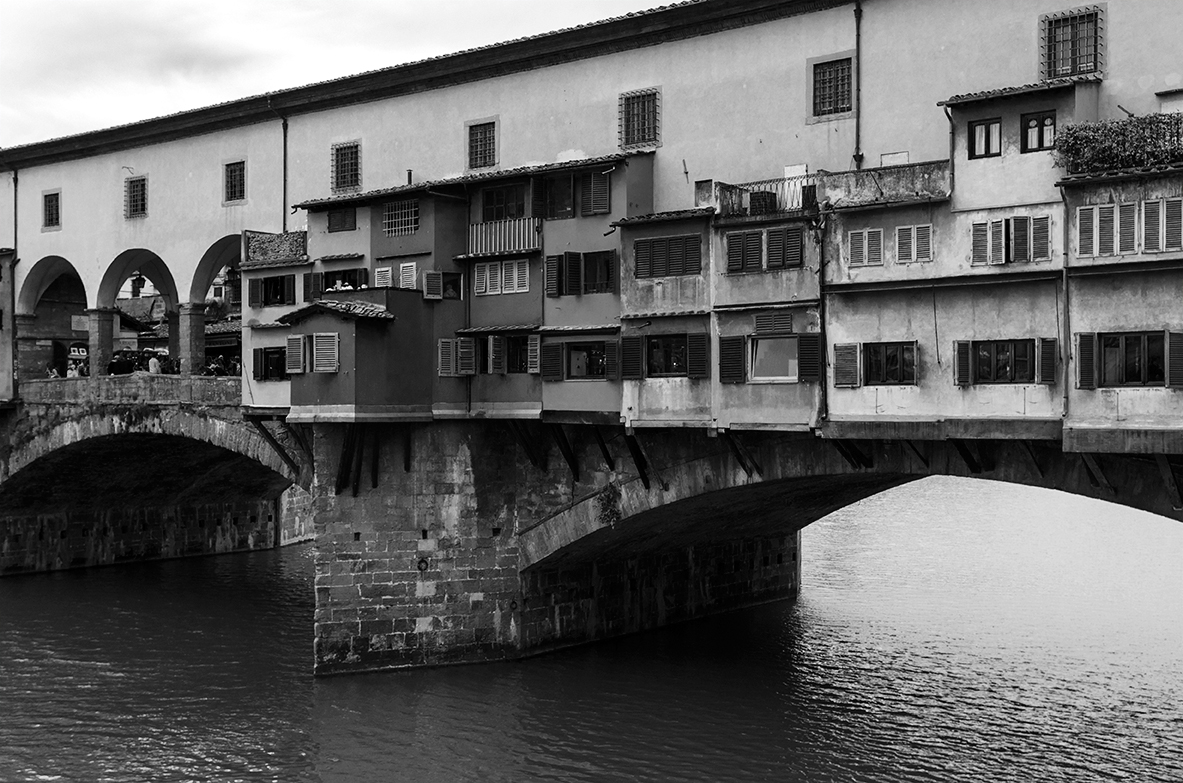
(433, 285)
(572, 273)
(495, 277)
(913, 243)
(407, 274)
(552, 362)
(551, 274)
(1086, 360)
(668, 256)
(1086, 231)
(611, 360)
(447, 357)
(294, 358)
(342, 219)
(384, 277)
(496, 354)
(1041, 238)
(998, 241)
(594, 193)
(271, 291)
(846, 365)
(1152, 226)
(324, 352)
(745, 251)
(1049, 354)
(533, 354)
(267, 364)
(889, 364)
(1106, 221)
(698, 355)
(1175, 359)
(785, 247)
(962, 363)
(1127, 228)
(865, 248)
(466, 356)
(780, 322)
(809, 357)
(1132, 359)
(1020, 239)
(733, 359)
(998, 361)
(980, 246)
(632, 350)
(1173, 224)
(1162, 225)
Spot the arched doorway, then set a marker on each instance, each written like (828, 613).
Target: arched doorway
(211, 321)
(52, 319)
(124, 312)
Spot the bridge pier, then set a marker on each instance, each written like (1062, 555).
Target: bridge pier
(102, 336)
(191, 342)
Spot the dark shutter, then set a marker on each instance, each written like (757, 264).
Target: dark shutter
(846, 369)
(643, 258)
(785, 247)
(594, 193)
(698, 355)
(552, 275)
(732, 361)
(466, 356)
(735, 252)
(691, 255)
(809, 358)
(363, 277)
(980, 245)
(552, 362)
(776, 248)
(1086, 360)
(753, 246)
(1041, 229)
(661, 257)
(307, 286)
(1049, 352)
(254, 293)
(538, 198)
(611, 360)
(497, 355)
(777, 322)
(257, 362)
(1175, 359)
(318, 286)
(610, 270)
(289, 289)
(572, 273)
(1020, 239)
(632, 355)
(962, 363)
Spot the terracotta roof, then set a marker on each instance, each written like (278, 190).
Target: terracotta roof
(662, 314)
(581, 328)
(345, 309)
(1022, 89)
(494, 329)
(660, 217)
(229, 326)
(275, 262)
(341, 256)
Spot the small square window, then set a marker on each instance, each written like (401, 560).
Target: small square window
(135, 197)
(1039, 131)
(482, 145)
(51, 212)
(342, 219)
(234, 181)
(640, 118)
(774, 359)
(832, 93)
(347, 166)
(586, 360)
(985, 138)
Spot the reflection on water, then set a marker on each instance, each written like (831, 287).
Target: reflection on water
(950, 630)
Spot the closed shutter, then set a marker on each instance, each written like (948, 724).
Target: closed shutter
(903, 244)
(780, 322)
(1175, 359)
(610, 270)
(1020, 239)
(643, 258)
(254, 293)
(289, 289)
(1127, 228)
(324, 352)
(1086, 360)
(692, 255)
(1049, 352)
(407, 274)
(856, 248)
(732, 359)
(1105, 229)
(1173, 224)
(753, 247)
(497, 355)
(294, 357)
(480, 279)
(661, 257)
(794, 245)
(698, 355)
(572, 273)
(846, 365)
(997, 242)
(257, 363)
(466, 356)
(735, 249)
(1041, 238)
(383, 277)
(962, 363)
(809, 358)
(875, 246)
(594, 193)
(980, 252)
(552, 362)
(924, 243)
(612, 360)
(1152, 226)
(551, 272)
(447, 357)
(433, 285)
(1086, 231)
(632, 351)
(533, 360)
(493, 278)
(538, 198)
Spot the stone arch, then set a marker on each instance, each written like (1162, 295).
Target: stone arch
(40, 277)
(51, 319)
(148, 264)
(222, 253)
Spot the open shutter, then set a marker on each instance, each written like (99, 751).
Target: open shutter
(643, 258)
(363, 278)
(594, 193)
(611, 360)
(480, 278)
(325, 352)
(553, 264)
(1127, 228)
(732, 359)
(289, 289)
(846, 365)
(997, 242)
(1086, 360)
(257, 363)
(794, 245)
(383, 277)
(698, 355)
(533, 360)
(407, 274)
(809, 358)
(538, 197)
(1106, 218)
(294, 357)
(924, 242)
(875, 246)
(962, 363)
(552, 362)
(856, 243)
(904, 247)
(1175, 360)
(572, 273)
(632, 354)
(447, 357)
(1152, 226)
(1173, 224)
(980, 253)
(1049, 352)
(522, 273)
(1020, 239)
(433, 285)
(307, 286)
(466, 356)
(915, 364)
(497, 355)
(318, 285)
(1086, 231)
(735, 252)
(493, 272)
(254, 293)
(1041, 238)
(610, 271)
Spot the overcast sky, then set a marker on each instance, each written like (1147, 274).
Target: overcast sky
(70, 66)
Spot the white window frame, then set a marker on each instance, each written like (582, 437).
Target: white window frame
(913, 234)
(326, 341)
(859, 245)
(753, 346)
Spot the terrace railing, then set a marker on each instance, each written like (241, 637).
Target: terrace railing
(505, 236)
(766, 196)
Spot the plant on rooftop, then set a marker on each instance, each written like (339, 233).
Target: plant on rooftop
(1134, 143)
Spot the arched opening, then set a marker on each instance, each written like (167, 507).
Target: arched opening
(211, 322)
(52, 321)
(134, 320)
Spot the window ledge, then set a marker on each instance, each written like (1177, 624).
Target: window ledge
(817, 119)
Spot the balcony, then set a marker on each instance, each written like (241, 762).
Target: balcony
(514, 235)
(909, 183)
(1149, 142)
(762, 197)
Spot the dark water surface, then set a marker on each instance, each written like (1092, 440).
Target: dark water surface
(950, 630)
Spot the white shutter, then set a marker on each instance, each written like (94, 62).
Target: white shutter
(324, 352)
(1106, 219)
(874, 246)
(533, 351)
(997, 242)
(904, 246)
(924, 243)
(433, 285)
(1127, 228)
(383, 277)
(407, 274)
(480, 279)
(466, 356)
(1086, 231)
(857, 248)
(1172, 228)
(294, 358)
(1152, 226)
(523, 276)
(494, 273)
(447, 357)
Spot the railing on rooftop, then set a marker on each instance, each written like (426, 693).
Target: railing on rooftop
(505, 236)
(135, 388)
(1149, 141)
(767, 196)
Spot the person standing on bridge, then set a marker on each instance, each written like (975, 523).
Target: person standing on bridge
(154, 365)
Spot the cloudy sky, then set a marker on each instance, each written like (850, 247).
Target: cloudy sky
(70, 66)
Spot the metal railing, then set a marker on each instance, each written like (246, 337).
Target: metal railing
(765, 196)
(502, 236)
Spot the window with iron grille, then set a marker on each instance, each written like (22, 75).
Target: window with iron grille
(400, 218)
(482, 145)
(1072, 42)
(51, 210)
(1039, 131)
(135, 197)
(346, 166)
(234, 181)
(832, 93)
(640, 118)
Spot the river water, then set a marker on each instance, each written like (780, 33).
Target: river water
(950, 630)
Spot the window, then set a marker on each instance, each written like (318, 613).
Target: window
(640, 118)
(342, 219)
(346, 166)
(889, 364)
(135, 197)
(234, 181)
(745, 251)
(774, 358)
(865, 248)
(665, 355)
(1162, 225)
(325, 352)
(400, 218)
(503, 203)
(1071, 42)
(573, 274)
(346, 279)
(1039, 131)
(1003, 361)
(1111, 229)
(270, 291)
(51, 210)
(667, 256)
(517, 353)
(586, 360)
(556, 197)
(985, 138)
(913, 243)
(482, 145)
(501, 277)
(270, 364)
(1021, 238)
(467, 355)
(595, 193)
(832, 87)
(1133, 359)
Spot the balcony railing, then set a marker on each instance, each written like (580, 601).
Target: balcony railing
(908, 182)
(768, 196)
(1142, 142)
(505, 236)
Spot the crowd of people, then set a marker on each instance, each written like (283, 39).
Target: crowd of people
(152, 361)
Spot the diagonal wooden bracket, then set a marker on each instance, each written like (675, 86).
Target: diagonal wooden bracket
(1096, 477)
(1169, 481)
(529, 445)
(345, 461)
(918, 454)
(611, 463)
(742, 455)
(853, 455)
(560, 438)
(276, 446)
(967, 456)
(1030, 450)
(639, 461)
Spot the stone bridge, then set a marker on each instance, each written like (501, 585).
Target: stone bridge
(113, 468)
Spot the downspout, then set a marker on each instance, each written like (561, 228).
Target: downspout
(823, 381)
(12, 274)
(858, 84)
(1067, 327)
(284, 207)
(952, 147)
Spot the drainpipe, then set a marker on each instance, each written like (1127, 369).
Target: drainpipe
(284, 122)
(858, 84)
(1067, 328)
(952, 146)
(12, 275)
(823, 397)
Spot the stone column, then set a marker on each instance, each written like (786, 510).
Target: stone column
(174, 332)
(102, 338)
(191, 337)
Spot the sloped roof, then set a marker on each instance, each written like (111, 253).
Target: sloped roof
(1022, 89)
(267, 263)
(343, 309)
(495, 329)
(660, 217)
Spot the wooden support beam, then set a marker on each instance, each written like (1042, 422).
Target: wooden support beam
(296, 433)
(611, 463)
(844, 450)
(1168, 481)
(375, 454)
(344, 463)
(639, 461)
(742, 455)
(560, 438)
(276, 446)
(967, 456)
(916, 451)
(359, 446)
(1096, 477)
(1027, 447)
(525, 440)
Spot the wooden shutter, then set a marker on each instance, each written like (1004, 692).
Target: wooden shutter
(924, 242)
(480, 278)
(1049, 352)
(293, 361)
(610, 270)
(362, 276)
(875, 246)
(1174, 359)
(1173, 224)
(533, 360)
(904, 246)
(289, 289)
(692, 255)
(846, 365)
(778, 322)
(1041, 238)
(809, 357)
(1152, 226)
(1086, 231)
(753, 248)
(257, 363)
(1086, 360)
(632, 358)
(551, 270)
(698, 355)
(856, 244)
(383, 277)
(735, 248)
(572, 273)
(254, 293)
(1106, 218)
(325, 352)
(962, 363)
(997, 242)
(980, 254)
(552, 362)
(447, 357)
(433, 285)
(493, 277)
(1020, 239)
(407, 274)
(915, 363)
(643, 258)
(612, 360)
(661, 257)
(733, 359)
(318, 285)
(521, 273)
(1127, 228)
(466, 356)
(594, 192)
(538, 198)
(496, 355)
